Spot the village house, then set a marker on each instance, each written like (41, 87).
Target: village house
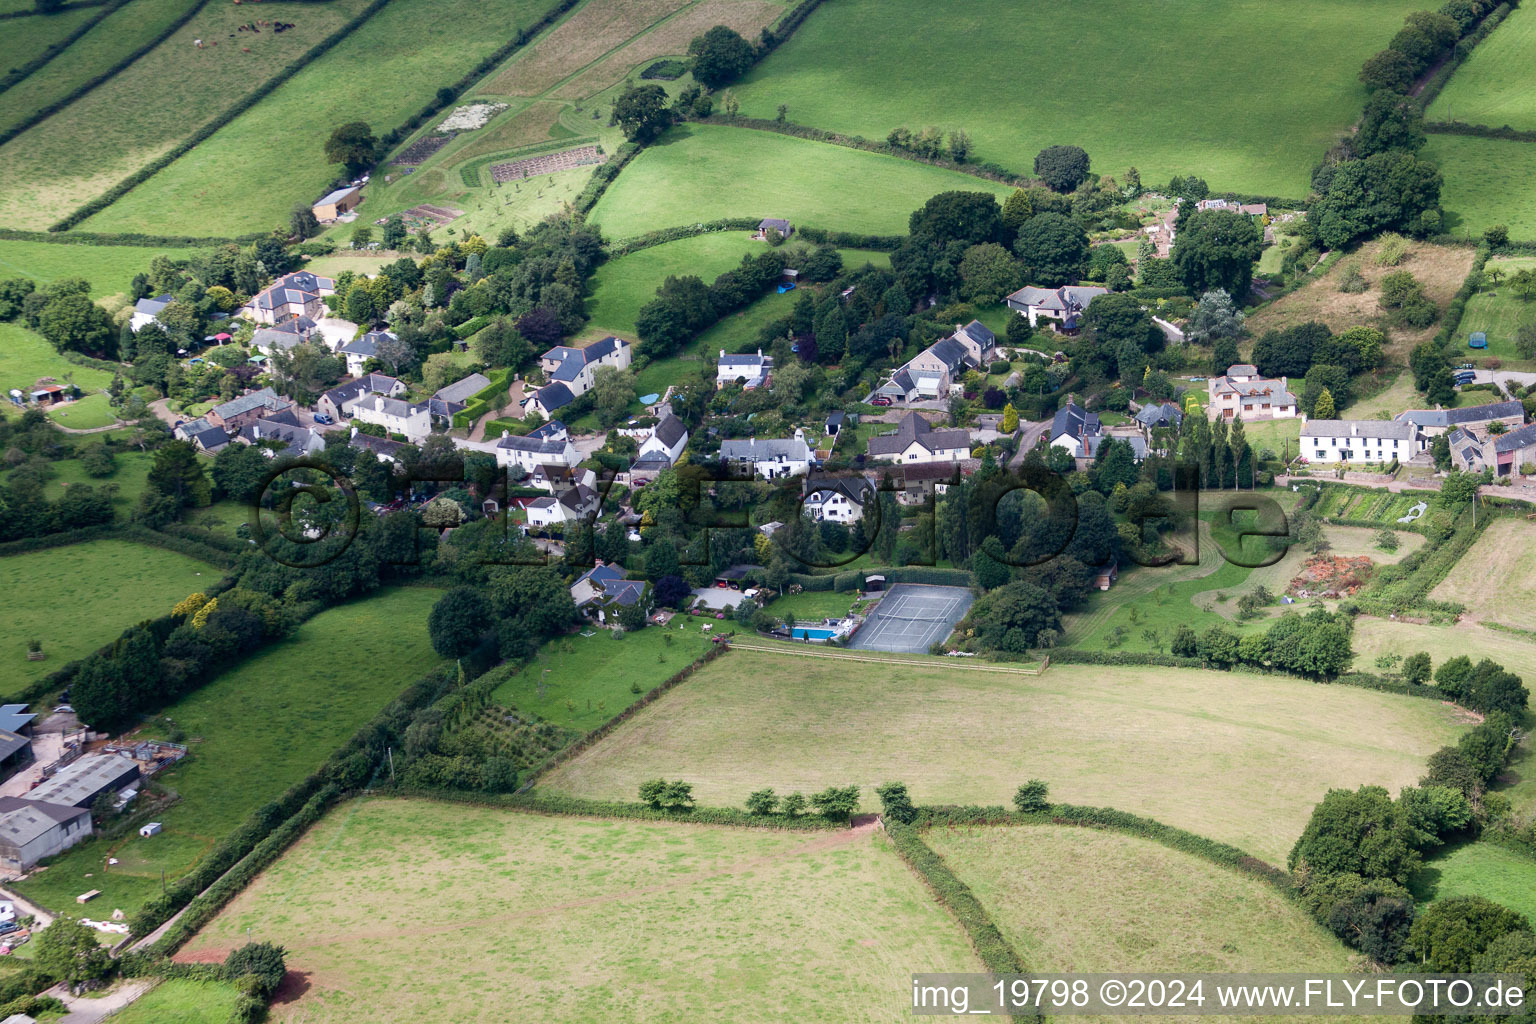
(769, 458)
(452, 399)
(1241, 391)
(284, 336)
(579, 502)
(917, 481)
(839, 500)
(1233, 206)
(1062, 307)
(358, 351)
(205, 437)
(603, 590)
(338, 402)
(1359, 441)
(667, 441)
(395, 416)
(296, 294)
(1156, 415)
(1505, 454)
(935, 372)
(1093, 442)
(555, 477)
(750, 370)
(1071, 427)
(147, 310)
(335, 205)
(384, 449)
(1476, 419)
(247, 408)
(282, 428)
(916, 440)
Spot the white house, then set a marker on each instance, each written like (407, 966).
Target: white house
(572, 372)
(578, 502)
(915, 440)
(339, 402)
(1071, 428)
(147, 311)
(770, 458)
(667, 441)
(395, 416)
(752, 370)
(360, 350)
(285, 429)
(840, 500)
(1241, 391)
(1060, 305)
(297, 294)
(1360, 441)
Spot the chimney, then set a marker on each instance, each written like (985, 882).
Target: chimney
(759, 353)
(354, 432)
(1354, 430)
(722, 353)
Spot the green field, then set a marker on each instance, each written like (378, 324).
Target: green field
(383, 72)
(109, 268)
(136, 116)
(1200, 750)
(598, 669)
(700, 173)
(77, 598)
(1498, 312)
(812, 604)
(1490, 87)
(26, 39)
(25, 358)
(736, 333)
(1487, 182)
(84, 413)
(254, 731)
(1480, 869)
(130, 475)
(511, 916)
(621, 286)
(1374, 637)
(1207, 87)
(1077, 899)
(182, 1001)
(109, 41)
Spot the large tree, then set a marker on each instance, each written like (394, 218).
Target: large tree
(1452, 934)
(1053, 249)
(1217, 249)
(1062, 167)
(720, 56)
(458, 620)
(178, 473)
(352, 145)
(987, 273)
(1359, 832)
(643, 113)
(970, 217)
(1215, 317)
(1390, 121)
(1387, 190)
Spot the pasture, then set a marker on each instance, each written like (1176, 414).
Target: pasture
(25, 358)
(381, 73)
(1480, 869)
(1498, 312)
(521, 917)
(621, 286)
(26, 39)
(130, 475)
(1078, 899)
(1200, 750)
(139, 114)
(80, 597)
(1487, 182)
(182, 1001)
(1440, 268)
(698, 173)
(254, 731)
(1489, 88)
(1143, 98)
(109, 268)
(1496, 579)
(1374, 637)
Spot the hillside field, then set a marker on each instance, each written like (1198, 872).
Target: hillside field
(109, 268)
(1498, 312)
(1200, 750)
(254, 731)
(1480, 869)
(1208, 87)
(521, 917)
(77, 598)
(698, 173)
(1081, 900)
(1487, 182)
(1496, 579)
(1492, 86)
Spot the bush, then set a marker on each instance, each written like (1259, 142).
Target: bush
(1032, 796)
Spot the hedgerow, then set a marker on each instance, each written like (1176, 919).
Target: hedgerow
(54, 49)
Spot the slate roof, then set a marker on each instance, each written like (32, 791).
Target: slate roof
(751, 360)
(1093, 442)
(949, 352)
(370, 383)
(554, 396)
(835, 418)
(1242, 370)
(980, 333)
(778, 224)
(383, 446)
(1388, 429)
(392, 406)
(612, 584)
(266, 398)
(205, 434)
(1515, 440)
(856, 489)
(670, 431)
(368, 345)
(1074, 421)
(765, 449)
(1156, 414)
(1454, 417)
(913, 428)
(286, 335)
(285, 427)
(460, 390)
(531, 444)
(154, 306)
(548, 429)
(573, 360)
(1057, 300)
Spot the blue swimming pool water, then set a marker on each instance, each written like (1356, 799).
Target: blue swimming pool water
(802, 633)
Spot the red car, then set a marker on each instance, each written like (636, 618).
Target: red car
(880, 400)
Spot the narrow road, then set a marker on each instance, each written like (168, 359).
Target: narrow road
(1029, 436)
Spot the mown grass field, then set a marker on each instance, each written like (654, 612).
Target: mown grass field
(1077, 899)
(77, 598)
(700, 173)
(1200, 750)
(1496, 579)
(109, 268)
(182, 1001)
(136, 116)
(381, 73)
(1489, 88)
(130, 475)
(621, 286)
(25, 358)
(109, 41)
(1374, 637)
(513, 916)
(1480, 869)
(84, 413)
(1498, 312)
(26, 39)
(595, 674)
(1487, 182)
(254, 731)
(1124, 84)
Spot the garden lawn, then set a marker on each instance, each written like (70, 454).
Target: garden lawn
(25, 358)
(1480, 869)
(182, 1001)
(524, 917)
(84, 413)
(1078, 899)
(109, 41)
(1498, 312)
(80, 597)
(1496, 578)
(1489, 88)
(699, 173)
(130, 475)
(136, 116)
(588, 671)
(1200, 750)
(1123, 84)
(382, 73)
(812, 605)
(254, 731)
(1487, 182)
(109, 268)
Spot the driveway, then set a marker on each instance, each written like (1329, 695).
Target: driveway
(1029, 436)
(1504, 377)
(90, 1009)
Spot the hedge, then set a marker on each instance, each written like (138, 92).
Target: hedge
(603, 177)
(54, 49)
(1436, 79)
(474, 325)
(240, 106)
(1458, 307)
(661, 236)
(851, 239)
(128, 238)
(568, 806)
(480, 402)
(44, 113)
(924, 574)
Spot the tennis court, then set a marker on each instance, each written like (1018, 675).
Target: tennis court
(912, 618)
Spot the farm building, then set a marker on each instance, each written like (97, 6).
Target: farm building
(1505, 453)
(778, 224)
(33, 829)
(80, 782)
(337, 204)
(15, 751)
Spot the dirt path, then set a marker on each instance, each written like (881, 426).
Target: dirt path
(477, 433)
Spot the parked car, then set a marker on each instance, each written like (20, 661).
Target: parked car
(321, 417)
(880, 400)
(63, 709)
(6, 927)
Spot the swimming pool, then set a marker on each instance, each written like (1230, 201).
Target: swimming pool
(812, 633)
